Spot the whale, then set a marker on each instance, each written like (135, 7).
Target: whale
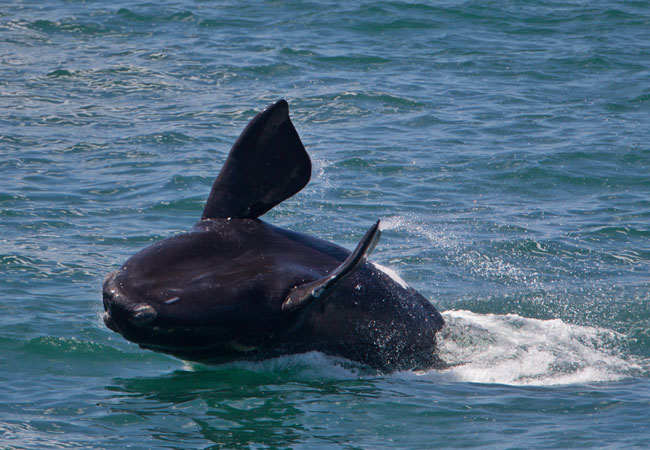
(236, 287)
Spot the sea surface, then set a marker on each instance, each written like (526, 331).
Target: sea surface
(505, 146)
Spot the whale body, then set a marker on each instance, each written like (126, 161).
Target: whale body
(236, 287)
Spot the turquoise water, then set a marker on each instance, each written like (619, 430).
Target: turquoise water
(505, 145)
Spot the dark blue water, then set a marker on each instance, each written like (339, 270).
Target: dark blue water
(505, 145)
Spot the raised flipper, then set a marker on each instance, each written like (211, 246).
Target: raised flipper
(266, 165)
(310, 293)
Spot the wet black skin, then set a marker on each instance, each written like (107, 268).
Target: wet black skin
(216, 294)
(227, 280)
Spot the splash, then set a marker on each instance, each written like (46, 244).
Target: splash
(438, 238)
(391, 273)
(485, 348)
(510, 349)
(491, 267)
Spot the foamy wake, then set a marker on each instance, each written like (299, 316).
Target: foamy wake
(510, 349)
(489, 348)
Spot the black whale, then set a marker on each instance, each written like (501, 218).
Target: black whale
(236, 287)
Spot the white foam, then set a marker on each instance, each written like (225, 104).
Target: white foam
(510, 349)
(487, 348)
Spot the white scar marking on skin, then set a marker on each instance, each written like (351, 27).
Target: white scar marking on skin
(172, 300)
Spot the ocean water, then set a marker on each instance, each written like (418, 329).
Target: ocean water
(505, 145)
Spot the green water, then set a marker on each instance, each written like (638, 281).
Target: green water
(503, 145)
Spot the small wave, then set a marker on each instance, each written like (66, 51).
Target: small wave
(310, 365)
(153, 17)
(515, 350)
(161, 138)
(67, 25)
(191, 204)
(122, 79)
(73, 348)
(25, 435)
(359, 59)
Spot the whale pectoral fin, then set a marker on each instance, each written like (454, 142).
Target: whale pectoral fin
(266, 165)
(311, 293)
